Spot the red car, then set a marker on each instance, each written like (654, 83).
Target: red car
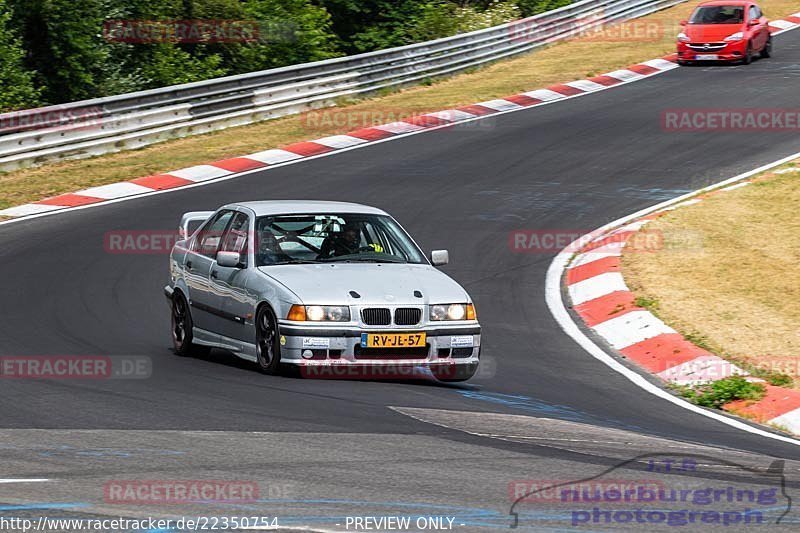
(724, 30)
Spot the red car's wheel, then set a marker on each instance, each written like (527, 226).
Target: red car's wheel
(748, 55)
(767, 51)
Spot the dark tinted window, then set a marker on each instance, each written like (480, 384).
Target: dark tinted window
(718, 15)
(235, 239)
(208, 240)
(322, 238)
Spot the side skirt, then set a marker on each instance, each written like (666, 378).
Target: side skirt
(241, 349)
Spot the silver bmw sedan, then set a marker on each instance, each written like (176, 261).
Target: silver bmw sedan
(330, 289)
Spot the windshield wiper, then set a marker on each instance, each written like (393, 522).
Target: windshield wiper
(362, 260)
(295, 262)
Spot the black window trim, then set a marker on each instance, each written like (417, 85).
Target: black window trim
(227, 230)
(196, 244)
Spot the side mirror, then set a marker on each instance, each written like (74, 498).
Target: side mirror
(684, 22)
(228, 259)
(440, 257)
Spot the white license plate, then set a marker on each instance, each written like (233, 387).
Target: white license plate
(393, 340)
(706, 57)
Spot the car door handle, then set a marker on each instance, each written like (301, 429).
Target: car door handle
(214, 274)
(189, 265)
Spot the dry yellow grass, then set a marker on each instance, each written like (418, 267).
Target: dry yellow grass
(576, 59)
(736, 290)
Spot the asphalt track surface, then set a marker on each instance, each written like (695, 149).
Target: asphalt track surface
(573, 166)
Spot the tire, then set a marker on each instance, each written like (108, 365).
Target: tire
(748, 55)
(455, 373)
(767, 51)
(268, 348)
(182, 325)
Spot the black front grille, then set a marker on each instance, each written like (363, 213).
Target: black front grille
(707, 47)
(376, 316)
(461, 353)
(407, 316)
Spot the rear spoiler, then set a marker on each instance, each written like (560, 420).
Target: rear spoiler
(191, 222)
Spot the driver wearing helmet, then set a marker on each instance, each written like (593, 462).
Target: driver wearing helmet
(346, 242)
(269, 250)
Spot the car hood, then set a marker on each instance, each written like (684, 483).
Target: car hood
(708, 33)
(384, 283)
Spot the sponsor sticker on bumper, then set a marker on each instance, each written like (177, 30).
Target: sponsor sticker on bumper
(461, 341)
(316, 342)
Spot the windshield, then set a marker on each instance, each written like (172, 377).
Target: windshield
(323, 238)
(718, 15)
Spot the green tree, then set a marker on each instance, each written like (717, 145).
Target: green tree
(170, 65)
(441, 19)
(152, 64)
(66, 50)
(365, 25)
(287, 32)
(284, 32)
(75, 58)
(533, 7)
(17, 87)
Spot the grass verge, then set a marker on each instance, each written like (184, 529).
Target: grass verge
(735, 292)
(651, 36)
(716, 394)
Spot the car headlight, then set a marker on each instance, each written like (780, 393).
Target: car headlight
(682, 37)
(319, 313)
(452, 312)
(738, 36)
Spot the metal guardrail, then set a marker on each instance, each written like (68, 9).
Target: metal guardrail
(133, 120)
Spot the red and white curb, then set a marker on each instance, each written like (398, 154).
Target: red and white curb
(789, 23)
(601, 298)
(303, 150)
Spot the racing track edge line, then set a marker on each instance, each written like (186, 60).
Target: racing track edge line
(555, 303)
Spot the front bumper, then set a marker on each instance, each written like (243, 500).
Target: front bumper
(330, 346)
(733, 51)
